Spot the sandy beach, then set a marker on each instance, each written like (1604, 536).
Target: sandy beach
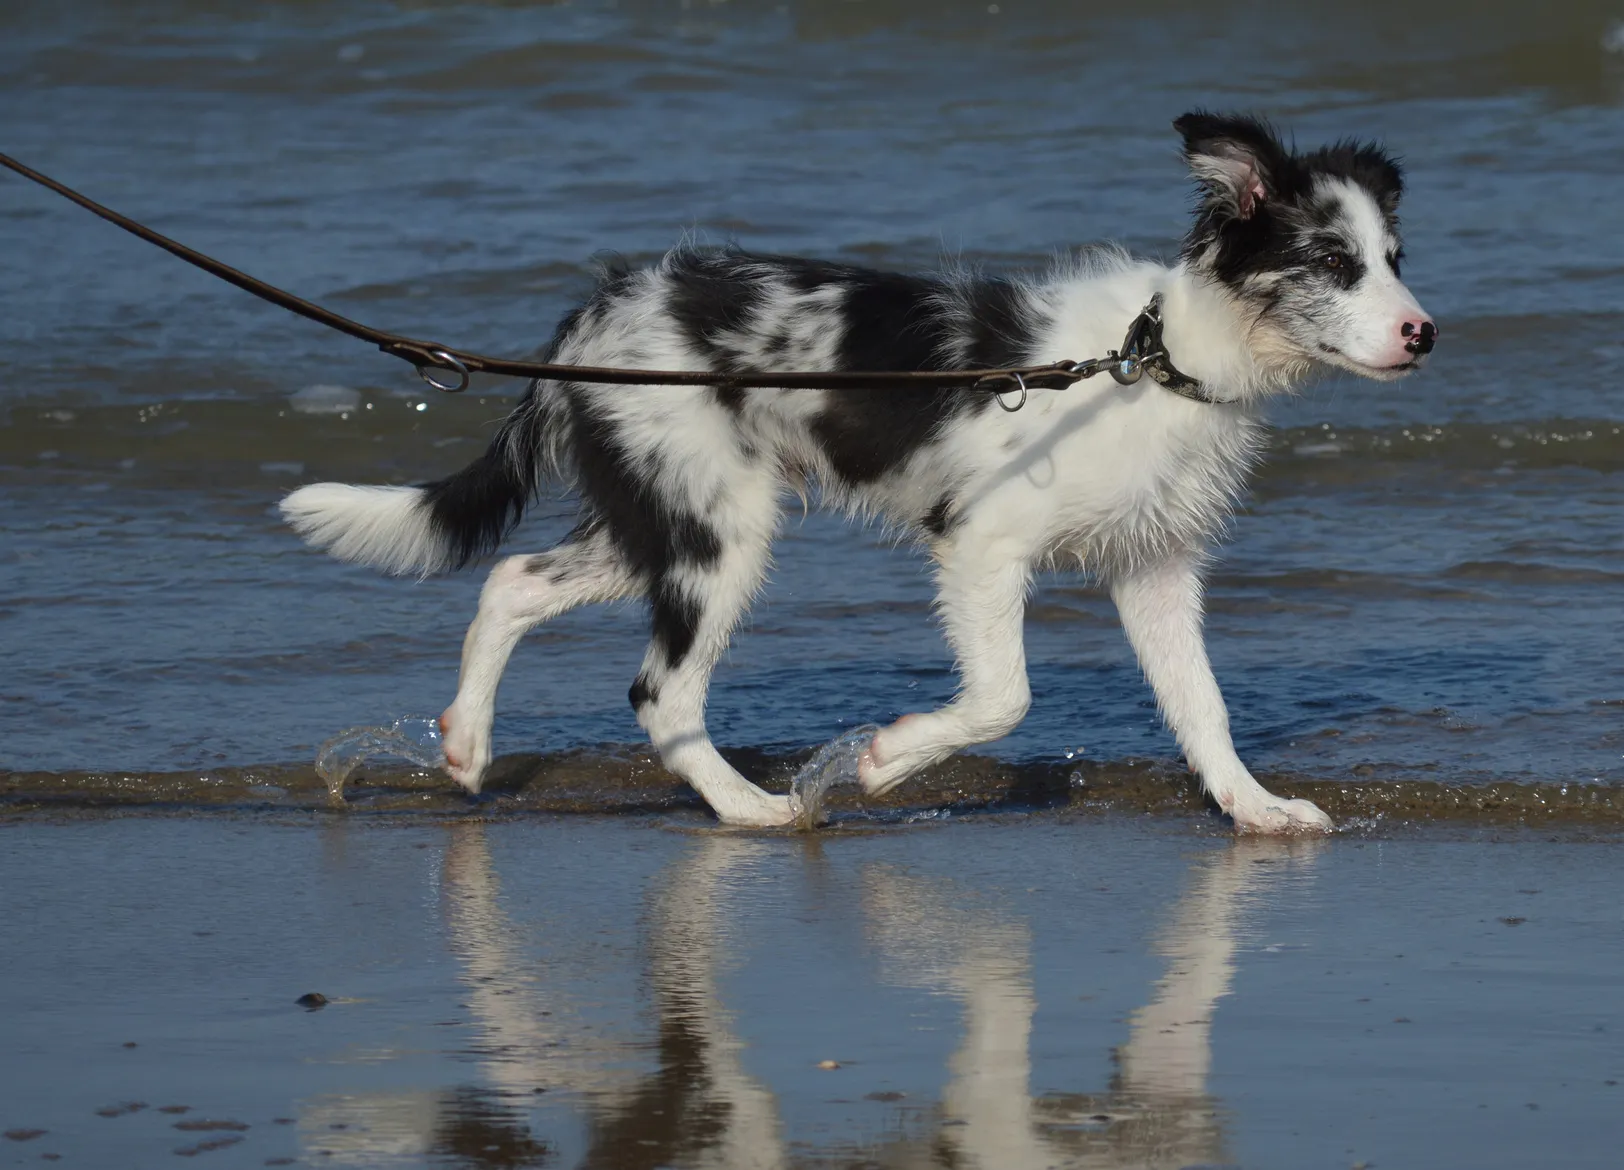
(1041, 990)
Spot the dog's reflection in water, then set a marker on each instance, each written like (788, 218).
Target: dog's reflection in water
(701, 1109)
(1158, 1112)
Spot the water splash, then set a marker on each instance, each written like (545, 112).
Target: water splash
(413, 739)
(834, 765)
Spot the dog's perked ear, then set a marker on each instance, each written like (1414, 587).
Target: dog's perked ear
(1238, 161)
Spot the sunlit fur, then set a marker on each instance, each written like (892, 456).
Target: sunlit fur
(682, 490)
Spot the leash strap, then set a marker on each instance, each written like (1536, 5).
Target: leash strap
(1142, 350)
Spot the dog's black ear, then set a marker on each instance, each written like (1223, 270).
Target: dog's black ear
(1238, 161)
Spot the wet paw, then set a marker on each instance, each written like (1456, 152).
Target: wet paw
(765, 812)
(1281, 816)
(876, 778)
(467, 754)
(880, 771)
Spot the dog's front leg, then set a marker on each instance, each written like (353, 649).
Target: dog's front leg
(982, 601)
(1161, 612)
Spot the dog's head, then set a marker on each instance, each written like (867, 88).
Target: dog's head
(1308, 243)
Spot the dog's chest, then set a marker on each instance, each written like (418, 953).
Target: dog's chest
(1148, 475)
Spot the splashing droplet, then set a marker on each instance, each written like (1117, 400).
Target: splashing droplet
(834, 765)
(413, 739)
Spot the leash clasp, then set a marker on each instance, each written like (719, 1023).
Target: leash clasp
(999, 395)
(443, 361)
(1126, 370)
(1141, 345)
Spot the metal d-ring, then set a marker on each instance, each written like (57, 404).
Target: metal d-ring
(999, 395)
(451, 362)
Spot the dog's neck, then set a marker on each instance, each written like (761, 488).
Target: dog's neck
(1220, 340)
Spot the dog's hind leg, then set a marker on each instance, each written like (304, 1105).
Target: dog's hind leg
(1161, 612)
(981, 597)
(695, 607)
(520, 593)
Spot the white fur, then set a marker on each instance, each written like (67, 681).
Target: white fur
(384, 527)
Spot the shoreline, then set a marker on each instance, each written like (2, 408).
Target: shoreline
(617, 780)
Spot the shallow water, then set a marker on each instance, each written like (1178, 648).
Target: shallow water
(626, 993)
(1422, 589)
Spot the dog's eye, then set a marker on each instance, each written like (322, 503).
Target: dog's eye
(1333, 260)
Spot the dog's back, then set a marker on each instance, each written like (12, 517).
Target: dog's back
(656, 465)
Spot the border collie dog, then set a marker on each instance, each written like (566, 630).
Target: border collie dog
(1291, 263)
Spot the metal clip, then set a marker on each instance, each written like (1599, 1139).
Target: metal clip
(1126, 370)
(999, 395)
(449, 362)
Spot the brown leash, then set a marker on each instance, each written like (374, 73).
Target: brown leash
(1141, 351)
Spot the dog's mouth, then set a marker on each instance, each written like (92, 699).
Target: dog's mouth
(1368, 370)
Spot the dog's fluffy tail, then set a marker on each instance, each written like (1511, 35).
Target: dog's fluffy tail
(416, 531)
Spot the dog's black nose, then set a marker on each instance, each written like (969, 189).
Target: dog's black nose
(1423, 335)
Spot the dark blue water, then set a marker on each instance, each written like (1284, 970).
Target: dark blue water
(1425, 582)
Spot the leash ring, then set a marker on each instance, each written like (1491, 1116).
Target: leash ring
(447, 388)
(999, 395)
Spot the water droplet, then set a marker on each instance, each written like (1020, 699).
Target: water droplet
(834, 765)
(414, 739)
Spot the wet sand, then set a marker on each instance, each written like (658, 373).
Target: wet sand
(1060, 988)
(622, 778)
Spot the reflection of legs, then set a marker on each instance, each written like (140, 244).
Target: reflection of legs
(1161, 612)
(932, 934)
(702, 1071)
(695, 610)
(520, 593)
(519, 1018)
(982, 601)
(1169, 1052)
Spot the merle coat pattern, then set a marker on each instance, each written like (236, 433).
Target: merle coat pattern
(1291, 263)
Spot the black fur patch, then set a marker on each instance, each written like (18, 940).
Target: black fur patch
(1001, 326)
(676, 621)
(642, 693)
(710, 295)
(731, 397)
(474, 510)
(895, 322)
(939, 520)
(648, 535)
(889, 321)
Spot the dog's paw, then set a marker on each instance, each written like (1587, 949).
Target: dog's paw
(876, 778)
(1275, 815)
(879, 770)
(763, 811)
(467, 753)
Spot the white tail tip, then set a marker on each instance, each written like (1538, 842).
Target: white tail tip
(388, 528)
